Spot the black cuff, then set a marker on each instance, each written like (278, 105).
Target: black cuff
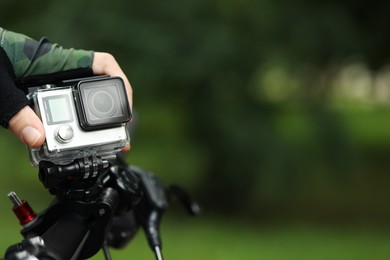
(54, 78)
(12, 99)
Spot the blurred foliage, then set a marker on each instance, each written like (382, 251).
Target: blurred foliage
(234, 99)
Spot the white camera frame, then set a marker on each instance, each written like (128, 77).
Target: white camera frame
(80, 143)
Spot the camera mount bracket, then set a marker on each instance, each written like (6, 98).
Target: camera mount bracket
(76, 180)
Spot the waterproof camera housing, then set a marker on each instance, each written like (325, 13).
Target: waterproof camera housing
(82, 118)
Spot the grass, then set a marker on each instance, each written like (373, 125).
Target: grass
(215, 239)
(186, 238)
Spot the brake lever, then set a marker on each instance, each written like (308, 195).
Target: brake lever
(151, 208)
(156, 199)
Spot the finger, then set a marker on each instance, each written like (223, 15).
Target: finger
(28, 127)
(126, 148)
(105, 63)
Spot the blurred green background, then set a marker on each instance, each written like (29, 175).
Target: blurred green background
(274, 114)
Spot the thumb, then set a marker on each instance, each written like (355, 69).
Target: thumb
(27, 127)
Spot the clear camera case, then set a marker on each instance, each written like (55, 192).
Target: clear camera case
(66, 140)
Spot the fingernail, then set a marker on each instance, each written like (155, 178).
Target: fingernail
(30, 135)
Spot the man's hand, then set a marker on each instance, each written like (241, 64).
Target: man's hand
(105, 64)
(28, 127)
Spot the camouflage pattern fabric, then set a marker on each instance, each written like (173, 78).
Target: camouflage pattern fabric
(30, 57)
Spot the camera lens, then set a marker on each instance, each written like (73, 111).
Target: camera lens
(102, 104)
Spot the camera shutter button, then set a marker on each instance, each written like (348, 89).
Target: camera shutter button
(64, 134)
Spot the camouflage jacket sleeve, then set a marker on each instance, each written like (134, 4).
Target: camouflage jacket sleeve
(25, 62)
(30, 57)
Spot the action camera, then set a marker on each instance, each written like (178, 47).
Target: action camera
(82, 118)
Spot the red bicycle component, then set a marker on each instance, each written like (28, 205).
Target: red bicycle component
(22, 209)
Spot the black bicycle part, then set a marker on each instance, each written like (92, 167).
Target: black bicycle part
(98, 204)
(75, 229)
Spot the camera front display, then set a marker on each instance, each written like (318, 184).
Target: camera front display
(81, 118)
(57, 109)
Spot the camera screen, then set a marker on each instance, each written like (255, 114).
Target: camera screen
(57, 109)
